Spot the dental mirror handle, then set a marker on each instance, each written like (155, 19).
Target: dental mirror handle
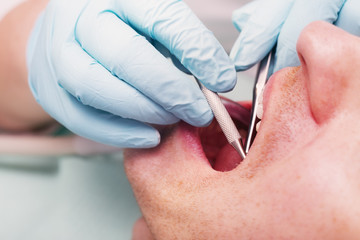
(223, 118)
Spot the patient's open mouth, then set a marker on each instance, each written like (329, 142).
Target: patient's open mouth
(221, 155)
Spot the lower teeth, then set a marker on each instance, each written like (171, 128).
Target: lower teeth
(258, 126)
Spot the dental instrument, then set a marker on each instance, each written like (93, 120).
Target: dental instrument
(262, 76)
(223, 118)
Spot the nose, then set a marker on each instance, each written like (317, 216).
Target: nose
(329, 58)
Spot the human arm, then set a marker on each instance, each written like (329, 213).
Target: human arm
(18, 108)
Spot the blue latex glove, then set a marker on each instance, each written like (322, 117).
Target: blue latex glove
(93, 68)
(263, 22)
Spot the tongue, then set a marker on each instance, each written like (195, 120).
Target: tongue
(221, 155)
(227, 159)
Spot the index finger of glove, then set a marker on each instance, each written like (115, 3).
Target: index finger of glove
(173, 24)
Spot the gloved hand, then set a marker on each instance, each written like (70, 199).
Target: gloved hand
(263, 22)
(93, 68)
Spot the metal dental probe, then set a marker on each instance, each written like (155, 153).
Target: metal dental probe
(264, 69)
(223, 118)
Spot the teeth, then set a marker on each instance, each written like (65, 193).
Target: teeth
(260, 110)
(258, 126)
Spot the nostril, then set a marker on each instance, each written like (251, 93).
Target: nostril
(302, 61)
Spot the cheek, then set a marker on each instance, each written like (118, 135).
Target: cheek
(326, 87)
(309, 194)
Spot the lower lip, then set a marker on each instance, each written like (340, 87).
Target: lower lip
(190, 139)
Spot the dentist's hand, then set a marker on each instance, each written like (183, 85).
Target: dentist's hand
(264, 22)
(93, 68)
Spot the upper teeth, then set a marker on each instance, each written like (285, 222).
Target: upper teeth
(260, 109)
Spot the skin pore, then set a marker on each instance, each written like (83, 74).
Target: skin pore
(300, 179)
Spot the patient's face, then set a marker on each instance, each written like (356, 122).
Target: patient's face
(301, 178)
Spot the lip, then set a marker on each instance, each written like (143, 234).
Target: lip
(190, 139)
(268, 88)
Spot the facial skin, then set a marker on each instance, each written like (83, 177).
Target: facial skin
(301, 178)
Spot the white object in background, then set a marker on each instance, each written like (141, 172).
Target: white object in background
(51, 146)
(7, 5)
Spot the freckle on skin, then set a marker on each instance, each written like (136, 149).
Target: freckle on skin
(286, 86)
(290, 79)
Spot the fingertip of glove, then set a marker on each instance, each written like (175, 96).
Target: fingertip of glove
(207, 120)
(245, 55)
(242, 61)
(151, 141)
(243, 66)
(147, 140)
(198, 113)
(204, 120)
(238, 55)
(224, 81)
